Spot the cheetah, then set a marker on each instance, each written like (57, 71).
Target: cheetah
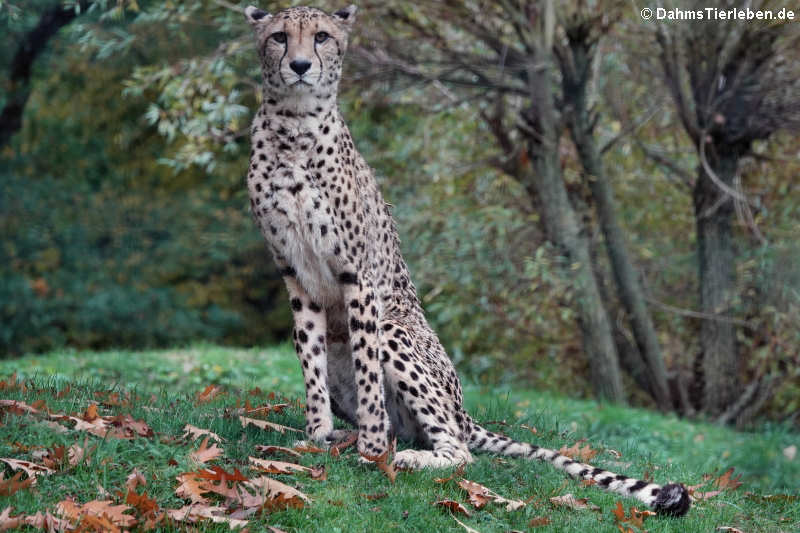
(366, 351)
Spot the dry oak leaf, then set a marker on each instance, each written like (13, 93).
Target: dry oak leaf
(195, 513)
(205, 454)
(267, 493)
(196, 432)
(350, 440)
(452, 506)
(208, 394)
(730, 529)
(319, 473)
(13, 484)
(134, 479)
(18, 408)
(578, 453)
(373, 497)
(11, 384)
(725, 482)
(635, 518)
(32, 469)
(277, 467)
(383, 464)
(305, 447)
(80, 454)
(40, 520)
(99, 509)
(539, 521)
(458, 472)
(263, 424)
(264, 410)
(271, 450)
(480, 496)
(568, 500)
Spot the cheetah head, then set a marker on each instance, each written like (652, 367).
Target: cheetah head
(301, 50)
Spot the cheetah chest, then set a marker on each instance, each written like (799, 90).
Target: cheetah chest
(295, 218)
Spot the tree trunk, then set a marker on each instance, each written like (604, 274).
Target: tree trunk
(30, 47)
(546, 183)
(630, 291)
(576, 69)
(714, 211)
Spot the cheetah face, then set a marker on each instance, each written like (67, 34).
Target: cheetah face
(301, 49)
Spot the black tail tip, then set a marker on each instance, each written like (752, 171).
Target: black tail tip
(672, 500)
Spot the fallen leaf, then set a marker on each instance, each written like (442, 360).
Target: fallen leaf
(578, 453)
(319, 473)
(18, 408)
(373, 497)
(478, 494)
(458, 472)
(635, 518)
(308, 448)
(205, 454)
(277, 467)
(539, 521)
(453, 506)
(263, 424)
(705, 495)
(13, 484)
(266, 493)
(31, 469)
(80, 454)
(195, 433)
(134, 479)
(383, 464)
(10, 522)
(208, 394)
(96, 508)
(271, 450)
(730, 529)
(195, 513)
(725, 481)
(568, 500)
(337, 448)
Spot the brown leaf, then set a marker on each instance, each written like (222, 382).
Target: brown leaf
(383, 464)
(539, 521)
(80, 454)
(205, 454)
(578, 453)
(98, 509)
(196, 513)
(44, 521)
(134, 479)
(730, 529)
(18, 408)
(271, 450)
(266, 493)
(568, 500)
(635, 518)
(337, 448)
(146, 506)
(377, 496)
(195, 433)
(209, 393)
(705, 495)
(458, 472)
(478, 494)
(217, 473)
(277, 467)
(725, 482)
(10, 522)
(453, 506)
(263, 424)
(318, 473)
(13, 484)
(308, 448)
(263, 410)
(32, 469)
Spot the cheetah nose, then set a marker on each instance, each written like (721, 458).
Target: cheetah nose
(300, 66)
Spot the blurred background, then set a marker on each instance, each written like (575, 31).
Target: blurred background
(590, 200)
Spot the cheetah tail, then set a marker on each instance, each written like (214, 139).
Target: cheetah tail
(672, 499)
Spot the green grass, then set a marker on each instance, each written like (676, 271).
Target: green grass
(166, 383)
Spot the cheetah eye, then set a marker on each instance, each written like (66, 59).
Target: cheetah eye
(321, 37)
(279, 36)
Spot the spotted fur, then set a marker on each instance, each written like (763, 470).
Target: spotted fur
(366, 351)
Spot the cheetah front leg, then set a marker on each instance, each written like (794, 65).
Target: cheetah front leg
(309, 343)
(363, 310)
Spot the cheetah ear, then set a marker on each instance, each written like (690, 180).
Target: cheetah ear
(346, 16)
(255, 15)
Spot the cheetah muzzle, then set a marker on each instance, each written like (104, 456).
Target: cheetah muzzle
(366, 351)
